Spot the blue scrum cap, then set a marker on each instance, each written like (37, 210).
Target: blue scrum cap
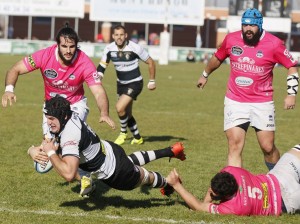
(253, 17)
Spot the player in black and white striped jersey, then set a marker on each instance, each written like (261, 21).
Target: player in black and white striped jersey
(80, 146)
(125, 56)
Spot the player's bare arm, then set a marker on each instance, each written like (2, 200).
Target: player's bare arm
(10, 82)
(211, 66)
(103, 105)
(292, 88)
(66, 167)
(195, 204)
(152, 70)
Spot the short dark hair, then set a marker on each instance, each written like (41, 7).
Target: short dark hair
(119, 27)
(224, 186)
(67, 32)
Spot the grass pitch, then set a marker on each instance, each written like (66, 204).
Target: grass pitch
(175, 111)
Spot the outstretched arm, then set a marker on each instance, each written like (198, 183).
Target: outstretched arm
(173, 179)
(211, 66)
(10, 82)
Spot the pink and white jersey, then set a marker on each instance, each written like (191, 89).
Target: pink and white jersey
(257, 195)
(251, 73)
(66, 81)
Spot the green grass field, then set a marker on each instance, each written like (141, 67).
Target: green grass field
(175, 111)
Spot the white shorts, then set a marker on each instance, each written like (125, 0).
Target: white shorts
(79, 107)
(260, 115)
(287, 172)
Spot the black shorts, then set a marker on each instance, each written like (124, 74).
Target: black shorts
(131, 89)
(126, 175)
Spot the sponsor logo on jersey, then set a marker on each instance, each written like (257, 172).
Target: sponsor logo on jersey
(31, 61)
(243, 81)
(50, 73)
(96, 77)
(259, 54)
(265, 195)
(70, 143)
(236, 50)
(72, 77)
(246, 60)
(113, 54)
(289, 56)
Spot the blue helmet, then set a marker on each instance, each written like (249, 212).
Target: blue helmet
(252, 17)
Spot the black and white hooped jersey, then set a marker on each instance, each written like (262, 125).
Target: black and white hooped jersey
(126, 61)
(78, 139)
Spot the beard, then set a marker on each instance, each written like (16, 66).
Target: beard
(65, 61)
(254, 40)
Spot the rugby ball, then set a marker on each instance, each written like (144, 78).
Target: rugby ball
(43, 168)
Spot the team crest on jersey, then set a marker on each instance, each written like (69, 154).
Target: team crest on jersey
(50, 73)
(259, 54)
(127, 55)
(72, 77)
(236, 50)
(31, 61)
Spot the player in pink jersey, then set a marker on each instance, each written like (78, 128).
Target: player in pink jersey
(64, 68)
(236, 191)
(253, 53)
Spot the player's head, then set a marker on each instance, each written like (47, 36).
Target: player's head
(252, 21)
(119, 35)
(67, 41)
(224, 186)
(57, 107)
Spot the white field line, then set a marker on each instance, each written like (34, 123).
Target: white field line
(86, 214)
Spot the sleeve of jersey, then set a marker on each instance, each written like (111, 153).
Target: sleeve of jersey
(221, 52)
(70, 139)
(283, 56)
(34, 61)
(220, 209)
(104, 60)
(91, 75)
(141, 52)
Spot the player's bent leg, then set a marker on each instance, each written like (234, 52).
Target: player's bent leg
(270, 151)
(236, 140)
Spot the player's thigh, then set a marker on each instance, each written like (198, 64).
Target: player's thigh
(266, 139)
(124, 102)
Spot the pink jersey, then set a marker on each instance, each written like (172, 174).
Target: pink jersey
(251, 73)
(66, 81)
(257, 195)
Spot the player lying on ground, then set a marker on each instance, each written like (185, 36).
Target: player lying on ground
(241, 193)
(80, 146)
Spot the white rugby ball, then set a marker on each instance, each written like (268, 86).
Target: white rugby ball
(43, 168)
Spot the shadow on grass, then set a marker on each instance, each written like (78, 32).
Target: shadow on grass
(97, 201)
(162, 138)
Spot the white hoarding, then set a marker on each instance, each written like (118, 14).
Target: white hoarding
(180, 12)
(49, 8)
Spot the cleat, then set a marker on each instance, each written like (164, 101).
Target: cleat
(177, 149)
(121, 138)
(87, 186)
(167, 190)
(137, 141)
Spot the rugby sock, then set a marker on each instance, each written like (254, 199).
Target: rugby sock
(133, 128)
(141, 158)
(159, 181)
(270, 165)
(123, 121)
